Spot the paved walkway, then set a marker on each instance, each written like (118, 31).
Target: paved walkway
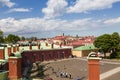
(109, 73)
(103, 75)
(109, 62)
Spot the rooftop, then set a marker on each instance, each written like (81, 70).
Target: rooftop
(88, 47)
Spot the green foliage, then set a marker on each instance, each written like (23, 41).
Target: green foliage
(107, 43)
(33, 38)
(115, 42)
(1, 37)
(11, 38)
(103, 42)
(1, 33)
(23, 38)
(115, 55)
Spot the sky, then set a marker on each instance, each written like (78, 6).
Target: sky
(48, 18)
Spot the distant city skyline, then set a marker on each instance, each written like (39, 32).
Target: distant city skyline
(48, 18)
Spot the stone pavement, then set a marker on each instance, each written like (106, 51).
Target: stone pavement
(109, 73)
(78, 68)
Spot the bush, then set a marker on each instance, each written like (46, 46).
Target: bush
(115, 55)
(118, 55)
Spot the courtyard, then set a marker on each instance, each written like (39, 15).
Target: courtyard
(78, 67)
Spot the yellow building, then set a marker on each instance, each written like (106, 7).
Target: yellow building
(83, 51)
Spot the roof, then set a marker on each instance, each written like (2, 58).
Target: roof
(42, 46)
(60, 37)
(89, 47)
(1, 47)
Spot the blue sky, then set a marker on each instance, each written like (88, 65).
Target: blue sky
(48, 18)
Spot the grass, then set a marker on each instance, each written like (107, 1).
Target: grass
(4, 75)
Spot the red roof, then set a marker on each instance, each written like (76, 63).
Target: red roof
(60, 37)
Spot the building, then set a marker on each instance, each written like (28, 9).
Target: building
(83, 51)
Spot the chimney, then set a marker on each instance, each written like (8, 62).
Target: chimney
(2, 55)
(46, 44)
(14, 48)
(38, 46)
(60, 45)
(17, 47)
(30, 46)
(52, 45)
(9, 50)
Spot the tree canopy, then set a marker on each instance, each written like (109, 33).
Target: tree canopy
(108, 42)
(115, 41)
(1, 36)
(23, 38)
(11, 38)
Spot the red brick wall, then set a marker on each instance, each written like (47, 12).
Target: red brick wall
(2, 55)
(40, 55)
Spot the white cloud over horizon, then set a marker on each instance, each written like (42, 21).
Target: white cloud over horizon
(83, 6)
(9, 25)
(113, 21)
(7, 3)
(58, 16)
(19, 10)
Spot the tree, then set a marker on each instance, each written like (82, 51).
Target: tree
(1, 36)
(104, 43)
(115, 45)
(23, 38)
(11, 38)
(109, 43)
(33, 38)
(115, 42)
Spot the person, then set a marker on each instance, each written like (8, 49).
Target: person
(70, 77)
(61, 74)
(66, 75)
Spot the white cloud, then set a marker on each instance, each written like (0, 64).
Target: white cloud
(112, 21)
(9, 25)
(7, 3)
(54, 8)
(19, 10)
(29, 25)
(83, 6)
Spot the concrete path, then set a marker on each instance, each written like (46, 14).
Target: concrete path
(109, 73)
(109, 62)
